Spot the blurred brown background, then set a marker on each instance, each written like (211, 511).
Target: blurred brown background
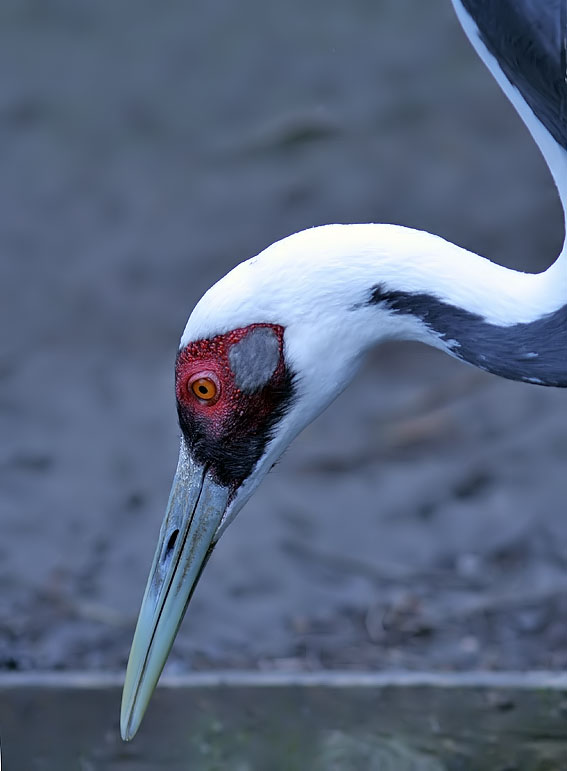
(145, 149)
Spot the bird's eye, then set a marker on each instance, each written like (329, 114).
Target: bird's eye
(204, 388)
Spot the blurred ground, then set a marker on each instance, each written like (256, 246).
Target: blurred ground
(145, 148)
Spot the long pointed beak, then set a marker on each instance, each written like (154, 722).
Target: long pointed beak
(194, 511)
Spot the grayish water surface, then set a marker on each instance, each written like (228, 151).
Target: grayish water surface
(321, 723)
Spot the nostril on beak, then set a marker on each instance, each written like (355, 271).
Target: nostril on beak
(170, 545)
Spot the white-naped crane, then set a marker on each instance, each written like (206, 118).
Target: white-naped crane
(272, 343)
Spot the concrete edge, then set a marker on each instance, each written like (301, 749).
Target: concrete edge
(529, 680)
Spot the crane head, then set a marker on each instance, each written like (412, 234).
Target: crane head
(265, 350)
(232, 392)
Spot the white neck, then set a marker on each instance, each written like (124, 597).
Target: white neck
(328, 269)
(318, 284)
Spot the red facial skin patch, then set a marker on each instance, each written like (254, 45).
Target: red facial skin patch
(204, 358)
(229, 433)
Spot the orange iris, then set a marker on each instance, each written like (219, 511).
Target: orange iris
(204, 388)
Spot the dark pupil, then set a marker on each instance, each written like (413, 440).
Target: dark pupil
(203, 389)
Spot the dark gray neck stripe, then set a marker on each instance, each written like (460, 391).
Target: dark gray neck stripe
(534, 352)
(529, 42)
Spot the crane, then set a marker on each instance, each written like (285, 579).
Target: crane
(270, 345)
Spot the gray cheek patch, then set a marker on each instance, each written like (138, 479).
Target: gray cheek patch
(254, 359)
